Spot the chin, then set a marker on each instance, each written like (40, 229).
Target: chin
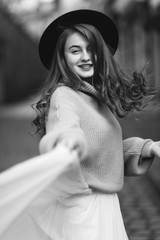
(87, 75)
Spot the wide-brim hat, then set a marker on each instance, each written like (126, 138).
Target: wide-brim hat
(50, 36)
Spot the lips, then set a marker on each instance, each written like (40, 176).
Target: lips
(86, 66)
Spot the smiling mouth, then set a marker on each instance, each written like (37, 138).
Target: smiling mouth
(86, 67)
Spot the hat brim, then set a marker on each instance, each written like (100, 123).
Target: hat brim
(51, 35)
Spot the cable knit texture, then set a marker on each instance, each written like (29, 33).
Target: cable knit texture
(82, 114)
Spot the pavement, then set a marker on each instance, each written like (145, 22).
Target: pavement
(139, 199)
(140, 205)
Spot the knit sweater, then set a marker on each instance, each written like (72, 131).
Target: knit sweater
(81, 114)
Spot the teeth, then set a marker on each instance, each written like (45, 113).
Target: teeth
(86, 66)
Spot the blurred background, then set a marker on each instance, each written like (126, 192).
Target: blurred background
(22, 74)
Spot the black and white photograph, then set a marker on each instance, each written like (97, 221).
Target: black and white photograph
(80, 120)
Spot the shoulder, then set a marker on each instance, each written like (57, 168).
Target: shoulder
(63, 91)
(63, 95)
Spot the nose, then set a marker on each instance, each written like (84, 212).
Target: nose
(85, 56)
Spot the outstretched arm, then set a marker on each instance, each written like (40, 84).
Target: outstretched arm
(63, 124)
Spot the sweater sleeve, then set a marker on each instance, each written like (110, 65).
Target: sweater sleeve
(134, 163)
(63, 120)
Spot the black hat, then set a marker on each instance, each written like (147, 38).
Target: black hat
(51, 34)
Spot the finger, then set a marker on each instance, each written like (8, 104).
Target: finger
(79, 147)
(71, 145)
(156, 150)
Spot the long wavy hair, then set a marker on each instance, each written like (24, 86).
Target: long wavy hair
(119, 91)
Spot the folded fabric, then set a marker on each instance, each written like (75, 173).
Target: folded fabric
(22, 183)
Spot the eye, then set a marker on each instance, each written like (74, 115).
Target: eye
(75, 51)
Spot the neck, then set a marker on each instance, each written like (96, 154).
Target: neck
(89, 80)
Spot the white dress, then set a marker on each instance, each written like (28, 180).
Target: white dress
(67, 209)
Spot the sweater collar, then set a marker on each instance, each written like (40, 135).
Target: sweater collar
(89, 89)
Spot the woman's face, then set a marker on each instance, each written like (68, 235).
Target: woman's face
(78, 55)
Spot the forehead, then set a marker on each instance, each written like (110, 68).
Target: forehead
(76, 39)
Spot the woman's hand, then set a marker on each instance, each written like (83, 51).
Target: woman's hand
(151, 149)
(154, 149)
(75, 142)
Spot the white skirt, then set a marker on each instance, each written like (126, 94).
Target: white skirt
(68, 210)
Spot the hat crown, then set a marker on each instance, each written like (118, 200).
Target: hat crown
(50, 36)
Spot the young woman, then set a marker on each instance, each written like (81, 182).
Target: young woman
(84, 93)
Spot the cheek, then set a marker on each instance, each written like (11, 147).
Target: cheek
(72, 61)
